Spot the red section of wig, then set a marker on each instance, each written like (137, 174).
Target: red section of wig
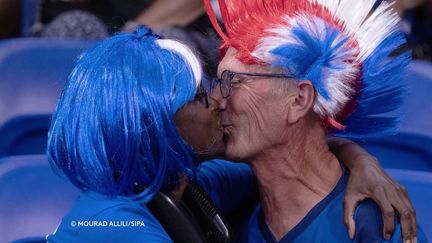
(246, 21)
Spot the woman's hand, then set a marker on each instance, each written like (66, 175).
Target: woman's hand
(369, 180)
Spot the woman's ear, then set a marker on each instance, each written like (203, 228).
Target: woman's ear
(302, 102)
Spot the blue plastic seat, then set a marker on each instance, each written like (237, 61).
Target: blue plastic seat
(403, 151)
(33, 198)
(419, 186)
(33, 72)
(24, 135)
(417, 110)
(40, 239)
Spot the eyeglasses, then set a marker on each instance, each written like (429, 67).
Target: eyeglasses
(202, 96)
(226, 80)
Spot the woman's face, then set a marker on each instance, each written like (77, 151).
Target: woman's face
(198, 124)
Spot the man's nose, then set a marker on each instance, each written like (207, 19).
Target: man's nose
(217, 96)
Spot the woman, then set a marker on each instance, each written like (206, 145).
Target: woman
(113, 136)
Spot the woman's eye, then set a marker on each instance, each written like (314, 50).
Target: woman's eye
(200, 97)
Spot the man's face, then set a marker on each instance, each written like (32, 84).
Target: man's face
(253, 116)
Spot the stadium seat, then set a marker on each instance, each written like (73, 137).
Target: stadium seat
(40, 239)
(419, 186)
(24, 135)
(33, 72)
(417, 110)
(403, 151)
(33, 198)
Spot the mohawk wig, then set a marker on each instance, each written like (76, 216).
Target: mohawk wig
(341, 46)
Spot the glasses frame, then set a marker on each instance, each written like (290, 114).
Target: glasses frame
(226, 84)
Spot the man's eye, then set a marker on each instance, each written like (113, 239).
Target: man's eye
(237, 79)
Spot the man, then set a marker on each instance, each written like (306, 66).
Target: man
(292, 72)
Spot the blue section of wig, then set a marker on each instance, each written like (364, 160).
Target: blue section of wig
(306, 60)
(382, 91)
(113, 126)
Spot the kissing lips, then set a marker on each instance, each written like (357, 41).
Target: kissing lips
(227, 130)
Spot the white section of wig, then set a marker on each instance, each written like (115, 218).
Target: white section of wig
(186, 53)
(369, 31)
(337, 82)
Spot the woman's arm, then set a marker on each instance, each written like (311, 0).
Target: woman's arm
(369, 180)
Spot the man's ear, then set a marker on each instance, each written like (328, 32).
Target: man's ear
(302, 102)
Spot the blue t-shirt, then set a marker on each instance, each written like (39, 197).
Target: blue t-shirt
(97, 218)
(324, 223)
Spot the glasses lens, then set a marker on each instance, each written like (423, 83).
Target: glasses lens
(226, 84)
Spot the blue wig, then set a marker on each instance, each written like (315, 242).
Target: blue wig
(113, 127)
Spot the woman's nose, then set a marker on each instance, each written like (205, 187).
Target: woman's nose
(213, 103)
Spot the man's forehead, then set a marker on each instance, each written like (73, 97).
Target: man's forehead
(230, 62)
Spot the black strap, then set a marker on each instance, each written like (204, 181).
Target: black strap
(175, 222)
(194, 219)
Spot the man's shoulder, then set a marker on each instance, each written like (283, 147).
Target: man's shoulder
(369, 223)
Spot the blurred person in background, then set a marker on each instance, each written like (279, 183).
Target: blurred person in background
(184, 20)
(10, 13)
(417, 17)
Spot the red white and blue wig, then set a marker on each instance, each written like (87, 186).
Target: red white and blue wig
(341, 46)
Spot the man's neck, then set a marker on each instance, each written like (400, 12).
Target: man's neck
(293, 178)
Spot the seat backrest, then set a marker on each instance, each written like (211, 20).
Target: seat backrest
(24, 135)
(417, 110)
(33, 198)
(33, 72)
(403, 151)
(419, 186)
